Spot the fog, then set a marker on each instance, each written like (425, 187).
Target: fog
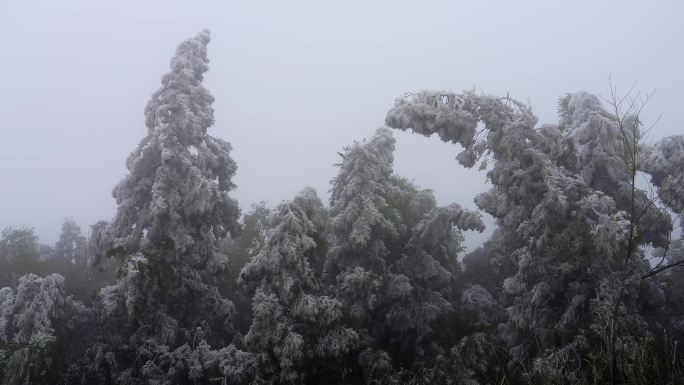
(295, 82)
(308, 250)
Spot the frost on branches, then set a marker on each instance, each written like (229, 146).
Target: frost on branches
(372, 289)
(392, 261)
(71, 247)
(602, 150)
(362, 232)
(560, 193)
(430, 268)
(296, 332)
(35, 323)
(173, 208)
(361, 235)
(175, 202)
(664, 161)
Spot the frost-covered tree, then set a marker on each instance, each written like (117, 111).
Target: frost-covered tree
(664, 161)
(362, 234)
(242, 248)
(251, 239)
(19, 255)
(430, 263)
(173, 209)
(69, 258)
(296, 332)
(71, 246)
(606, 150)
(35, 325)
(41, 307)
(360, 225)
(393, 259)
(489, 264)
(176, 194)
(6, 312)
(558, 194)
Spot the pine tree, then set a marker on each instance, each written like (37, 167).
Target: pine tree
(430, 262)
(19, 255)
(71, 245)
(296, 332)
(176, 194)
(242, 249)
(173, 209)
(362, 234)
(393, 260)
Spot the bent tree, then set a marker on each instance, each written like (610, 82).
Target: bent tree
(564, 197)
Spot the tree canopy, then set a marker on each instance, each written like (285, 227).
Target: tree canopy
(578, 284)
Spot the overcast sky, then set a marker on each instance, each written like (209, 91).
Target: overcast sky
(294, 82)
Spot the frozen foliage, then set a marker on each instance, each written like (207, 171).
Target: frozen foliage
(606, 151)
(18, 244)
(361, 234)
(6, 306)
(363, 230)
(358, 203)
(370, 290)
(252, 237)
(430, 274)
(360, 230)
(296, 333)
(34, 363)
(474, 360)
(393, 260)
(32, 323)
(174, 198)
(19, 255)
(455, 117)
(37, 303)
(99, 243)
(173, 208)
(664, 161)
(476, 298)
(559, 194)
(38, 306)
(71, 246)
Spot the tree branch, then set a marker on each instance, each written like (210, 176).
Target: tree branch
(663, 268)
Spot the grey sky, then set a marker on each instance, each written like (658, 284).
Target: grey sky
(295, 82)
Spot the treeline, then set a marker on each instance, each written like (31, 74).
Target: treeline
(579, 283)
(21, 253)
